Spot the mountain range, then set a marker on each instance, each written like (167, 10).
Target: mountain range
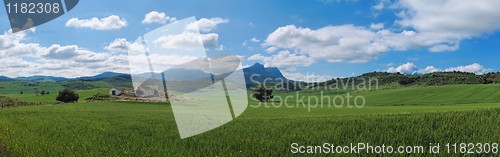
(39, 78)
(258, 71)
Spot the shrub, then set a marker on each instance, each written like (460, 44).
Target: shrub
(67, 96)
(6, 102)
(262, 94)
(99, 97)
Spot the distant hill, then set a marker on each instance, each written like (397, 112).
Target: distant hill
(431, 79)
(259, 73)
(41, 79)
(119, 81)
(179, 74)
(102, 76)
(59, 79)
(4, 78)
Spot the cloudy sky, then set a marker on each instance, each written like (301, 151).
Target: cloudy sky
(317, 38)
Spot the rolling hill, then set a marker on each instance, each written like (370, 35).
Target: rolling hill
(434, 95)
(5, 78)
(102, 76)
(39, 78)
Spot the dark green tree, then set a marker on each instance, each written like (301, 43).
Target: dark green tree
(262, 94)
(67, 96)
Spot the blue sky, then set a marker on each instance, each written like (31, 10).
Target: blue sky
(322, 38)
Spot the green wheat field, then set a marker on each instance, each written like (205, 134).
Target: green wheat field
(399, 116)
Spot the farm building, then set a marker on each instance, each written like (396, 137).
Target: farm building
(118, 91)
(148, 91)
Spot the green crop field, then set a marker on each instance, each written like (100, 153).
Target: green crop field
(51, 98)
(404, 116)
(28, 88)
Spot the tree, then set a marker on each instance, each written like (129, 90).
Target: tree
(262, 94)
(67, 96)
(43, 92)
(21, 92)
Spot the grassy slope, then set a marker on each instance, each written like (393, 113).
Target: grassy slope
(426, 95)
(132, 129)
(435, 95)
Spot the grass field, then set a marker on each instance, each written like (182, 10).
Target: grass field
(51, 98)
(427, 95)
(410, 116)
(29, 90)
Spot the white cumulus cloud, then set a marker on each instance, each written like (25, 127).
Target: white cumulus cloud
(27, 59)
(428, 69)
(188, 40)
(438, 26)
(206, 25)
(472, 68)
(332, 43)
(255, 40)
(284, 60)
(11, 44)
(377, 26)
(112, 22)
(407, 68)
(122, 45)
(380, 5)
(410, 68)
(453, 18)
(157, 17)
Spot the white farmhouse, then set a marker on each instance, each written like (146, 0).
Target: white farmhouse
(118, 91)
